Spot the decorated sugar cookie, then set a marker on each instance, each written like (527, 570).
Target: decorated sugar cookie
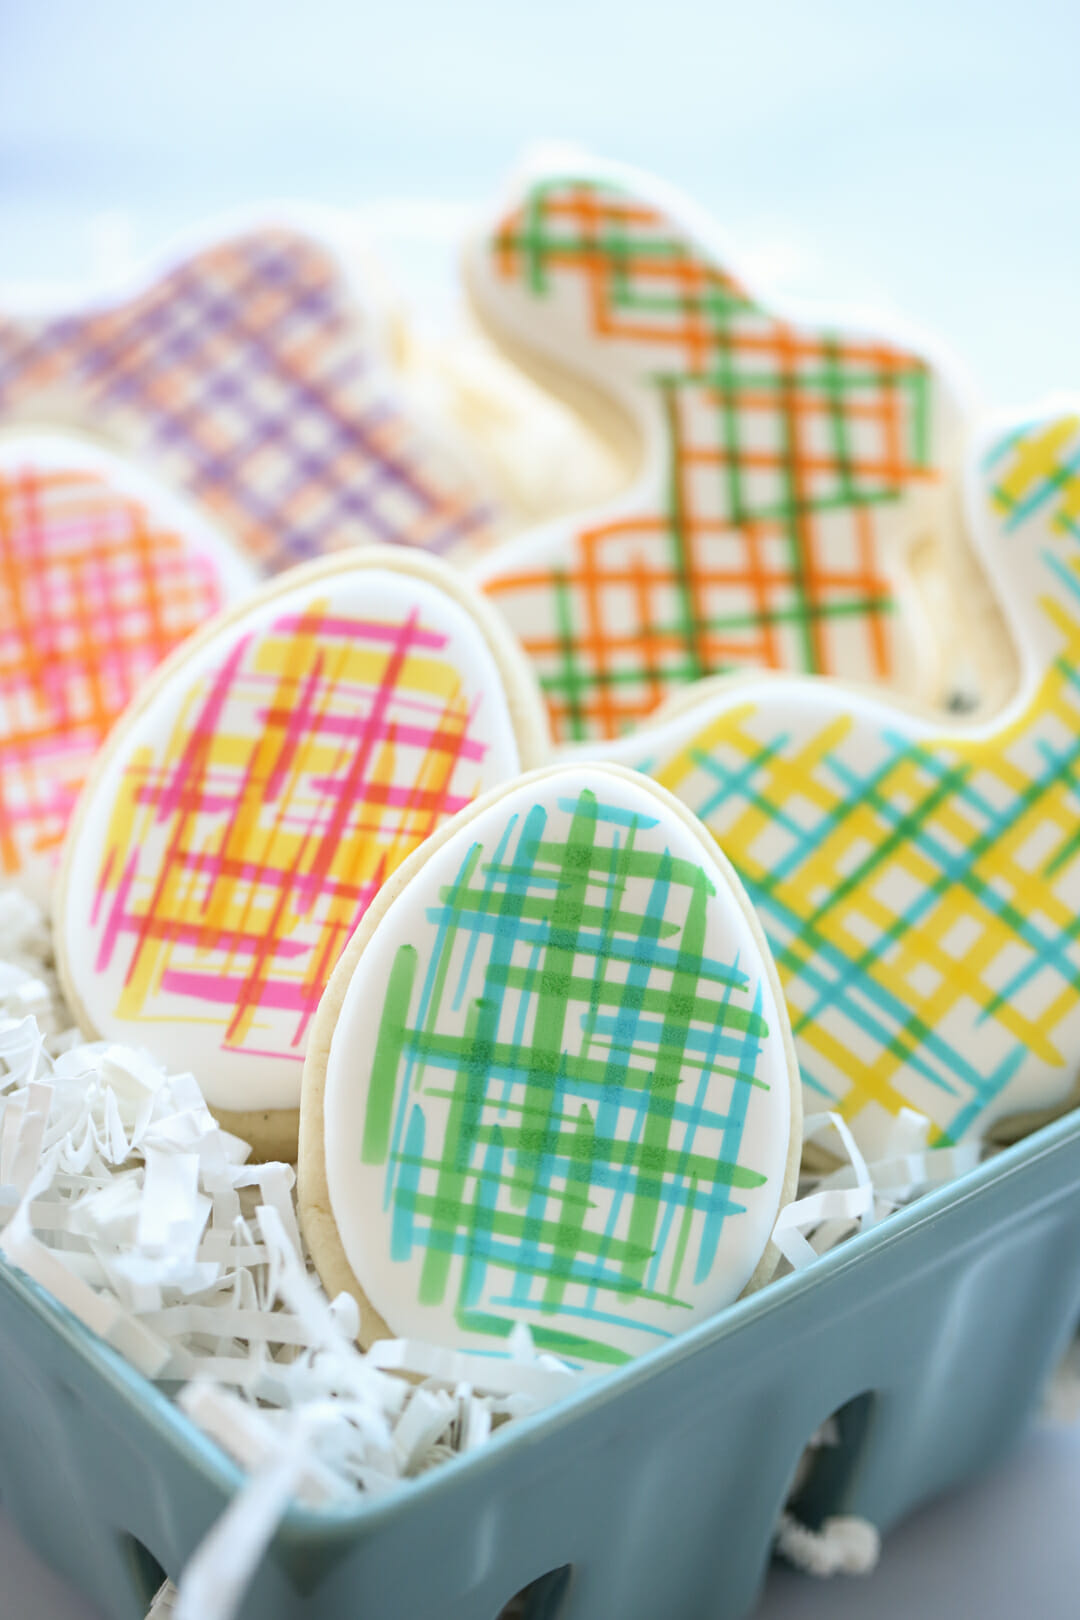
(782, 473)
(102, 573)
(552, 1080)
(254, 375)
(919, 883)
(254, 801)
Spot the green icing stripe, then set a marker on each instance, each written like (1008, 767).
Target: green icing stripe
(561, 1037)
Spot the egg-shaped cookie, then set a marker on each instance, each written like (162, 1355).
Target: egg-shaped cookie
(250, 806)
(552, 1080)
(102, 572)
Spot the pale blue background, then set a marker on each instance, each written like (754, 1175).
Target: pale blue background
(922, 157)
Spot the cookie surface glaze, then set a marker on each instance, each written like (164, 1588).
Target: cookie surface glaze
(919, 883)
(552, 1081)
(102, 573)
(244, 816)
(783, 472)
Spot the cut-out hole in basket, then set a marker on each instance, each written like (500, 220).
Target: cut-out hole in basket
(147, 1574)
(825, 1470)
(541, 1599)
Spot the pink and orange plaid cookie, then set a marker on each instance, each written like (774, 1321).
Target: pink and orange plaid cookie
(102, 573)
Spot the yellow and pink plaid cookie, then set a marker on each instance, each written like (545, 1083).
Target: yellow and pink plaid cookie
(244, 816)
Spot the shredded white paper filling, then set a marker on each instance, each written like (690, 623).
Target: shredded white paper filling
(843, 1546)
(855, 1197)
(121, 1195)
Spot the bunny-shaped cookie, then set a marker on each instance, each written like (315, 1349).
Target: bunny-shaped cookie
(254, 374)
(919, 881)
(784, 472)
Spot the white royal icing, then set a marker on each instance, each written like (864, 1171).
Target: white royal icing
(784, 464)
(246, 816)
(919, 881)
(102, 572)
(558, 1089)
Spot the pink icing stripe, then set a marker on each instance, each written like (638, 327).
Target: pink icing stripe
(114, 923)
(187, 800)
(227, 939)
(255, 873)
(413, 736)
(202, 732)
(102, 888)
(217, 987)
(296, 723)
(393, 796)
(361, 630)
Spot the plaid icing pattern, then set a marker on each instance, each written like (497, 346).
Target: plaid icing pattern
(791, 458)
(921, 894)
(245, 376)
(93, 594)
(1034, 473)
(243, 849)
(561, 1078)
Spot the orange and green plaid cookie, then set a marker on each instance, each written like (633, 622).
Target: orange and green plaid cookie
(783, 471)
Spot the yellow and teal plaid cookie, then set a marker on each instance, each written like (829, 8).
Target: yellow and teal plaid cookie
(919, 881)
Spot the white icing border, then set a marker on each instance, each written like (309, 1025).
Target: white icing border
(233, 1081)
(580, 368)
(346, 1018)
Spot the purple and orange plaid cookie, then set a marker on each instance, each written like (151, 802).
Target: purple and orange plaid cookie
(785, 472)
(252, 376)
